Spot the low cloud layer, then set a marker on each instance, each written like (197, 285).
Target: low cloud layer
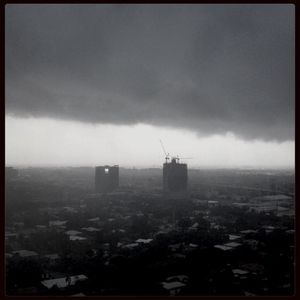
(208, 68)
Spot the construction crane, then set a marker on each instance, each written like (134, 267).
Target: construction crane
(167, 155)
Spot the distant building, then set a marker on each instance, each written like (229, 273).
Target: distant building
(25, 253)
(64, 282)
(77, 238)
(175, 284)
(174, 177)
(58, 223)
(279, 204)
(106, 178)
(72, 232)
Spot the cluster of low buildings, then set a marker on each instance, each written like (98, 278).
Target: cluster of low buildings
(110, 212)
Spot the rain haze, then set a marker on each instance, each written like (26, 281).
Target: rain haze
(103, 83)
(150, 150)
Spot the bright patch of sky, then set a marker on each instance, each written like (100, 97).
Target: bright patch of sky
(49, 142)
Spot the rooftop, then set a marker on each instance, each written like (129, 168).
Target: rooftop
(77, 238)
(63, 282)
(173, 285)
(222, 247)
(239, 272)
(181, 278)
(25, 253)
(73, 232)
(248, 231)
(94, 219)
(144, 241)
(57, 223)
(52, 256)
(90, 229)
(233, 244)
(233, 237)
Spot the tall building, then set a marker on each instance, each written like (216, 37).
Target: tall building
(106, 178)
(174, 177)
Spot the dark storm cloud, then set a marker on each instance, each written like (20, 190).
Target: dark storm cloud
(209, 68)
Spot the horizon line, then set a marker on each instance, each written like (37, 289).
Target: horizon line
(27, 166)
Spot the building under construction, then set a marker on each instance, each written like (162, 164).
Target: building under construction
(106, 178)
(174, 177)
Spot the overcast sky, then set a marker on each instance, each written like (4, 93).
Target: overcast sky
(93, 84)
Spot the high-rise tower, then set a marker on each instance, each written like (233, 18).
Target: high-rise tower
(174, 177)
(106, 178)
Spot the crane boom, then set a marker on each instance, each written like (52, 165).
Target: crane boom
(162, 145)
(165, 152)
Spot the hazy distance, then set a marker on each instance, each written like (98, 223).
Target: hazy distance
(47, 142)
